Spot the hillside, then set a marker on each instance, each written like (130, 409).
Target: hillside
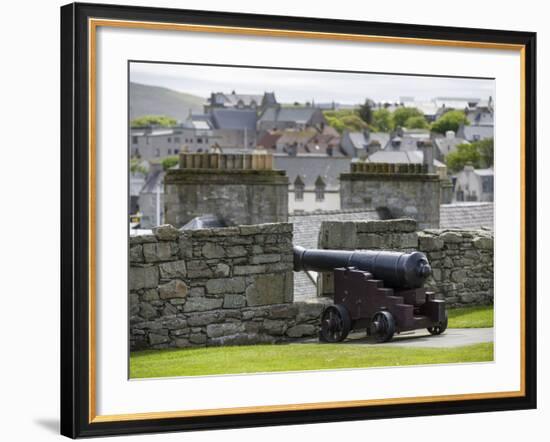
(155, 100)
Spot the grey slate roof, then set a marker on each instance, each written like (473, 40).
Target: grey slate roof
(398, 157)
(300, 115)
(471, 215)
(311, 166)
(448, 144)
(234, 119)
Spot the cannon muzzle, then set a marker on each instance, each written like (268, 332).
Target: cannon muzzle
(396, 269)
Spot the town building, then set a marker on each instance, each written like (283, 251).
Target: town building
(474, 184)
(446, 144)
(234, 100)
(314, 180)
(299, 118)
(362, 144)
(476, 132)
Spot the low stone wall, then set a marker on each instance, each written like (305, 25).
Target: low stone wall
(230, 285)
(461, 260)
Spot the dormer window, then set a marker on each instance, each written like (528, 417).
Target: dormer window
(319, 189)
(298, 189)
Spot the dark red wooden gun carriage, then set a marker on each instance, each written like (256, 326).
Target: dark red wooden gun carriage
(379, 291)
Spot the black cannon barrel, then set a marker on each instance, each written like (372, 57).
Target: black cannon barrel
(396, 269)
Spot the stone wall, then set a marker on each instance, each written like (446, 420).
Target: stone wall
(461, 260)
(230, 285)
(410, 192)
(238, 188)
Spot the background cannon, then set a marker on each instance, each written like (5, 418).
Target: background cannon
(379, 291)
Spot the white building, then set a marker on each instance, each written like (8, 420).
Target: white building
(474, 184)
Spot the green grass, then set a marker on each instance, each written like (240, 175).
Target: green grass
(294, 357)
(471, 317)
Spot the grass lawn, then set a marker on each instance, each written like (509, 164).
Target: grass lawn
(294, 357)
(471, 317)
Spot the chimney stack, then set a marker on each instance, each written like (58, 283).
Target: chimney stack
(427, 148)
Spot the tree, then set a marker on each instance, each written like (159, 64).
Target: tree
(464, 154)
(402, 114)
(153, 120)
(450, 121)
(365, 111)
(416, 123)
(486, 151)
(169, 162)
(382, 121)
(345, 119)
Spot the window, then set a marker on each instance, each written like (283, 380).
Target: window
(199, 140)
(477, 137)
(319, 189)
(169, 151)
(177, 140)
(487, 184)
(134, 140)
(298, 189)
(169, 139)
(157, 152)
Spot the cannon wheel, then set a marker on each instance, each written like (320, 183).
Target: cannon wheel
(382, 326)
(439, 327)
(335, 323)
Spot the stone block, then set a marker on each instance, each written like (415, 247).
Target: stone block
(268, 289)
(198, 269)
(173, 269)
(212, 250)
(222, 269)
(301, 330)
(136, 253)
(249, 269)
(155, 252)
(166, 232)
(201, 319)
(197, 338)
(236, 251)
(155, 339)
(150, 295)
(234, 301)
(274, 327)
(483, 242)
(217, 330)
(147, 311)
(225, 285)
(265, 259)
(451, 237)
(202, 304)
(143, 277)
(174, 289)
(428, 243)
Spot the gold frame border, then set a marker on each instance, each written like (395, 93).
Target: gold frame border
(93, 24)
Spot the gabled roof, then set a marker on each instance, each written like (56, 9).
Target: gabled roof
(448, 144)
(310, 167)
(400, 157)
(234, 119)
(300, 115)
(269, 139)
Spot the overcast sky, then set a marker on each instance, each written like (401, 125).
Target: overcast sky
(301, 86)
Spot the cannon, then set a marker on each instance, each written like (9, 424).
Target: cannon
(379, 291)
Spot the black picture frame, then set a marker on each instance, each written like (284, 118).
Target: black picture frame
(75, 220)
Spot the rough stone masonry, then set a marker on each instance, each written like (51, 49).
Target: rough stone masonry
(220, 286)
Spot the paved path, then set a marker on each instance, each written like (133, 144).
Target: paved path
(453, 337)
